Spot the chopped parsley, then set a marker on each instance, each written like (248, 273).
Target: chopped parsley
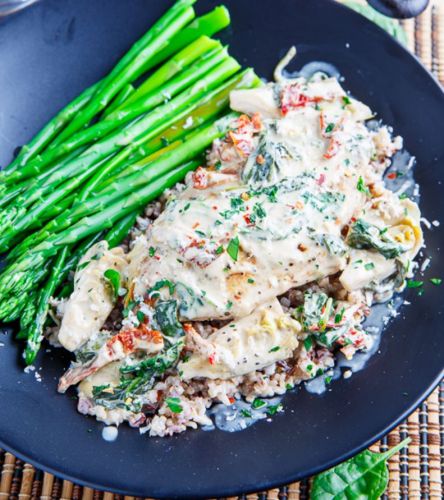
(174, 405)
(140, 316)
(229, 304)
(436, 281)
(258, 403)
(250, 280)
(346, 100)
(329, 128)
(233, 248)
(414, 284)
(369, 266)
(308, 343)
(219, 250)
(339, 316)
(275, 348)
(245, 413)
(151, 251)
(361, 187)
(273, 409)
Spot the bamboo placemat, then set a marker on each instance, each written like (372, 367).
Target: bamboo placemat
(415, 473)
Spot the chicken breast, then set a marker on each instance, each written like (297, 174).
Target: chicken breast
(92, 299)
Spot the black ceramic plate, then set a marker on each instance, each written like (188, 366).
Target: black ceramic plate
(58, 47)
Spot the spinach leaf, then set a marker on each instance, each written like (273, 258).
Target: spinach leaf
(363, 235)
(166, 317)
(311, 312)
(363, 476)
(136, 380)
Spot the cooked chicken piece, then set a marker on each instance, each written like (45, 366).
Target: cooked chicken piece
(252, 343)
(92, 299)
(116, 348)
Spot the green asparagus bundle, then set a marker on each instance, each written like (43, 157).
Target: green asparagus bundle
(91, 170)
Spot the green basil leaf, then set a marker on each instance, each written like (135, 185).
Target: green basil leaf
(363, 476)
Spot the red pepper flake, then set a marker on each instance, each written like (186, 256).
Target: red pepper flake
(196, 224)
(214, 207)
(231, 400)
(247, 219)
(392, 175)
(212, 359)
(332, 149)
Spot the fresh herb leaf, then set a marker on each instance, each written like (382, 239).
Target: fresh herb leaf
(346, 100)
(308, 343)
(219, 250)
(414, 283)
(275, 348)
(174, 405)
(361, 186)
(113, 279)
(245, 413)
(369, 266)
(233, 248)
(273, 409)
(339, 316)
(151, 251)
(436, 281)
(250, 280)
(258, 403)
(329, 128)
(363, 476)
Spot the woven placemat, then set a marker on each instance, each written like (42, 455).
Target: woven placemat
(417, 472)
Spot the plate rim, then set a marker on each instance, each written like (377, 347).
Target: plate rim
(269, 484)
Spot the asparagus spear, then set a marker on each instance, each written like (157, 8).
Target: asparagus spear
(35, 333)
(121, 139)
(128, 181)
(130, 111)
(120, 98)
(208, 107)
(208, 24)
(49, 131)
(133, 63)
(173, 67)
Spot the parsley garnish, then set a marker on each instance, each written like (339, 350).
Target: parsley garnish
(219, 250)
(258, 403)
(151, 251)
(273, 409)
(329, 128)
(275, 348)
(436, 281)
(246, 413)
(369, 266)
(233, 248)
(414, 284)
(174, 405)
(360, 186)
